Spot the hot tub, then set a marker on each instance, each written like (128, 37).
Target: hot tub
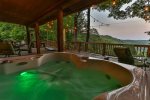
(64, 76)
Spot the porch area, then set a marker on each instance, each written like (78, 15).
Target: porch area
(36, 68)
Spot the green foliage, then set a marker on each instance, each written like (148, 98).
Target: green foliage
(69, 22)
(81, 21)
(16, 32)
(49, 33)
(12, 32)
(69, 37)
(69, 27)
(124, 8)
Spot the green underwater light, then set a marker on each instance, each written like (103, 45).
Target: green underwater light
(24, 74)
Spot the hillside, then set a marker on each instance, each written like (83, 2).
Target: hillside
(109, 39)
(100, 38)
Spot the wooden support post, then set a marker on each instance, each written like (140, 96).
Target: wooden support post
(37, 36)
(88, 25)
(75, 28)
(28, 39)
(60, 38)
(88, 29)
(148, 51)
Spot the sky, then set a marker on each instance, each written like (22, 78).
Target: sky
(130, 29)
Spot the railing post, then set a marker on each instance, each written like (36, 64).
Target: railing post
(68, 46)
(79, 46)
(148, 51)
(104, 49)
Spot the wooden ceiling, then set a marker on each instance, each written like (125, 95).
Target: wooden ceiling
(29, 12)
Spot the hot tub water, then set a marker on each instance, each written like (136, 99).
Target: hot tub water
(56, 80)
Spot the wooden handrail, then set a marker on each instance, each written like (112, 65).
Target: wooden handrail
(103, 48)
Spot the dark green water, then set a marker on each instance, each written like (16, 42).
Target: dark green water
(57, 80)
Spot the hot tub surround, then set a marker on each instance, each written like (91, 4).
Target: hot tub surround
(131, 78)
(113, 69)
(16, 64)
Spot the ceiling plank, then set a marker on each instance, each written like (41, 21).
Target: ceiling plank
(28, 12)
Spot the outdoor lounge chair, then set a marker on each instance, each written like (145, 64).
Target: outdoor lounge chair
(50, 49)
(125, 56)
(6, 48)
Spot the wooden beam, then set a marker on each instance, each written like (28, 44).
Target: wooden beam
(26, 12)
(37, 36)
(28, 39)
(49, 10)
(60, 39)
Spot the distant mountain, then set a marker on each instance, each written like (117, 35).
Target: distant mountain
(95, 37)
(140, 42)
(109, 39)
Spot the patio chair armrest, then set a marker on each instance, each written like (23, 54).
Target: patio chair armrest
(140, 60)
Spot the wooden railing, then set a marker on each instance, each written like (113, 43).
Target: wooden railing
(101, 48)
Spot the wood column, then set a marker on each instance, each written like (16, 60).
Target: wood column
(75, 27)
(88, 25)
(60, 37)
(37, 36)
(88, 29)
(104, 49)
(28, 39)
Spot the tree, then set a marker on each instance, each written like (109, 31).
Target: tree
(94, 31)
(82, 22)
(48, 31)
(88, 25)
(9, 31)
(12, 32)
(126, 9)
